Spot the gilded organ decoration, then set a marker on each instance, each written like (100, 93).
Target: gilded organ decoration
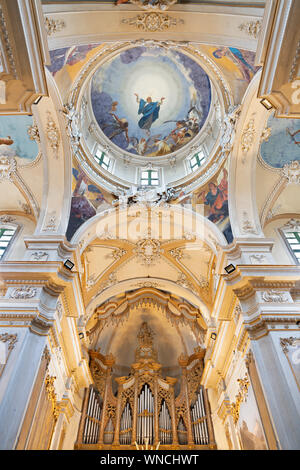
(145, 410)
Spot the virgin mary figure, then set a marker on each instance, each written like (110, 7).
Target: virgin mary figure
(150, 111)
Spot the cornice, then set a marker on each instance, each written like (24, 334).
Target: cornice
(263, 324)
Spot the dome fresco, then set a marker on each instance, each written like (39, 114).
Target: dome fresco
(150, 101)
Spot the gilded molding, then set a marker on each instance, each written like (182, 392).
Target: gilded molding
(50, 389)
(245, 292)
(40, 327)
(240, 398)
(257, 284)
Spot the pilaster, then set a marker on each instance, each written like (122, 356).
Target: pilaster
(269, 311)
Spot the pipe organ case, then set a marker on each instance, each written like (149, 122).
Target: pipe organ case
(145, 408)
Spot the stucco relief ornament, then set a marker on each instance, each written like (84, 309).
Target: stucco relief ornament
(8, 167)
(91, 281)
(53, 25)
(118, 253)
(286, 342)
(39, 256)
(252, 28)
(24, 292)
(228, 128)
(148, 250)
(152, 21)
(240, 397)
(247, 227)
(274, 296)
(248, 135)
(11, 340)
(33, 133)
(73, 119)
(184, 282)
(51, 222)
(92, 127)
(266, 134)
(111, 281)
(293, 225)
(257, 259)
(160, 5)
(52, 134)
(177, 253)
(7, 219)
(291, 171)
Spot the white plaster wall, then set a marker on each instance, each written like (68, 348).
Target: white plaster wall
(71, 432)
(12, 359)
(276, 335)
(218, 426)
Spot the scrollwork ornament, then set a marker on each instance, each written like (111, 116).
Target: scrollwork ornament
(240, 397)
(248, 136)
(274, 296)
(50, 390)
(24, 292)
(11, 340)
(291, 171)
(51, 222)
(148, 250)
(7, 219)
(53, 25)
(293, 225)
(39, 256)
(8, 168)
(158, 5)
(286, 342)
(33, 133)
(53, 135)
(252, 28)
(152, 21)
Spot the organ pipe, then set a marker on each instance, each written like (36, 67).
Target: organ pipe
(92, 418)
(145, 408)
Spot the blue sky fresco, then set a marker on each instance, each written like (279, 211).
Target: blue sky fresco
(284, 144)
(156, 73)
(16, 127)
